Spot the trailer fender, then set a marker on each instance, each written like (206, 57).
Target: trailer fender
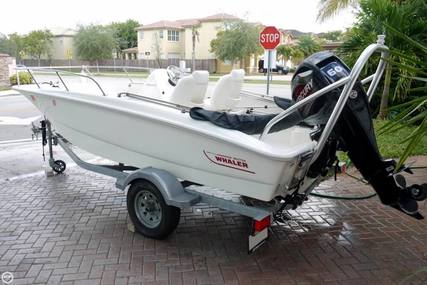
(171, 189)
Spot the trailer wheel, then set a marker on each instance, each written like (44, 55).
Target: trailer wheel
(149, 212)
(59, 166)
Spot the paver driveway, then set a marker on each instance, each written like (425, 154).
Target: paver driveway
(72, 228)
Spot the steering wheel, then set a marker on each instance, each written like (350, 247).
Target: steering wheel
(175, 73)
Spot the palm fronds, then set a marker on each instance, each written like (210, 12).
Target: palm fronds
(415, 110)
(329, 8)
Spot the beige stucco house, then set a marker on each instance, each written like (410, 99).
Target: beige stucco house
(173, 39)
(62, 43)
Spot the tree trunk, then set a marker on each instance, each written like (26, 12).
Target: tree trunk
(386, 92)
(97, 66)
(193, 55)
(38, 60)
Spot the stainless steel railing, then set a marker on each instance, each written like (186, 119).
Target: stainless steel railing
(348, 83)
(57, 70)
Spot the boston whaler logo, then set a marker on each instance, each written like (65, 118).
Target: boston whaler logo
(228, 161)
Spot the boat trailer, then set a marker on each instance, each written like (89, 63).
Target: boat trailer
(175, 194)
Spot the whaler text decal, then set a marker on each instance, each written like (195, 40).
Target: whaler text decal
(228, 161)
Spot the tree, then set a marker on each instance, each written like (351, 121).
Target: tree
(94, 43)
(157, 48)
(4, 44)
(378, 17)
(285, 51)
(12, 45)
(237, 41)
(194, 37)
(37, 43)
(308, 45)
(293, 53)
(125, 34)
(332, 36)
(415, 110)
(404, 24)
(297, 55)
(329, 8)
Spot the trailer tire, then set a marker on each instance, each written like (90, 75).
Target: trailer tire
(59, 166)
(150, 214)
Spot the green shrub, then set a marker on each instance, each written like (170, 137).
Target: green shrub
(24, 78)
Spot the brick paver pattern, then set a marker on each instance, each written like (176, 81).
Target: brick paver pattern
(72, 229)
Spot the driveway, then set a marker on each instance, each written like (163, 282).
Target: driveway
(72, 229)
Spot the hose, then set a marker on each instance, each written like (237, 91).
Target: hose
(368, 196)
(343, 197)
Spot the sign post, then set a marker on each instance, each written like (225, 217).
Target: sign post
(268, 71)
(269, 38)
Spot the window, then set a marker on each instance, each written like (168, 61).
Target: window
(161, 34)
(173, 36)
(141, 35)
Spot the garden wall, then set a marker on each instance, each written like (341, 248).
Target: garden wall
(7, 67)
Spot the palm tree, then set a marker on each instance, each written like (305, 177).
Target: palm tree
(376, 17)
(285, 51)
(329, 8)
(415, 110)
(308, 45)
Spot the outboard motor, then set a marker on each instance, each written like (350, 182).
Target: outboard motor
(353, 132)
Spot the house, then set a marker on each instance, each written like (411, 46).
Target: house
(174, 39)
(130, 53)
(62, 43)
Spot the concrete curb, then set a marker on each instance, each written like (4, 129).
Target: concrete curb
(7, 142)
(8, 93)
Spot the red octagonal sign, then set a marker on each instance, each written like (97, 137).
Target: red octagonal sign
(269, 38)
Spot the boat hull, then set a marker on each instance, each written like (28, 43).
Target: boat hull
(149, 135)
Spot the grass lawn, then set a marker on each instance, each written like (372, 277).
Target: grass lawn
(390, 144)
(4, 88)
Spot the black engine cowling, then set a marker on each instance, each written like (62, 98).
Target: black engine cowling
(354, 131)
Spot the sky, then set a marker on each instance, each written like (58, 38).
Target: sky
(27, 15)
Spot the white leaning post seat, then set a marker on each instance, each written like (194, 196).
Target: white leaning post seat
(226, 94)
(190, 90)
(157, 85)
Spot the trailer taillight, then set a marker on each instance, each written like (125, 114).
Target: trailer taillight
(260, 225)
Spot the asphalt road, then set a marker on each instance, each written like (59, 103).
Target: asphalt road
(16, 113)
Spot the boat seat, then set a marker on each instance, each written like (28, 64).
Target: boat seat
(226, 94)
(190, 90)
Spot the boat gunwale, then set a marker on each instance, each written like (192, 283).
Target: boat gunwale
(269, 150)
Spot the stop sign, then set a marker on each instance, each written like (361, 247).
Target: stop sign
(269, 37)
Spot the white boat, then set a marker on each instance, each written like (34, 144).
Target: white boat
(276, 162)
(145, 133)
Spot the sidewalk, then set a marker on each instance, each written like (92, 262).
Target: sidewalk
(6, 93)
